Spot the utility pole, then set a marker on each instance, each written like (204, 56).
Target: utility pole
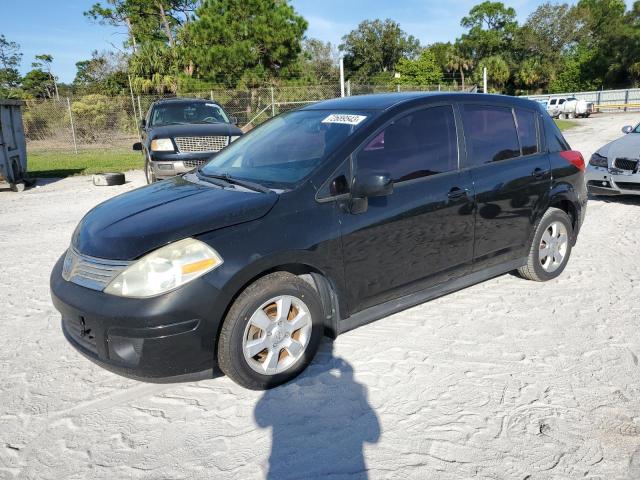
(484, 79)
(342, 76)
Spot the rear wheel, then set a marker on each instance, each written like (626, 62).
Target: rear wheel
(551, 247)
(271, 332)
(562, 116)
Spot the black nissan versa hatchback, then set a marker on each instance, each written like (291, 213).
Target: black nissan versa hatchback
(319, 221)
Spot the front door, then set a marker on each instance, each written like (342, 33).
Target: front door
(422, 233)
(511, 177)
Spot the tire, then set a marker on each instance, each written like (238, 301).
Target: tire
(108, 179)
(148, 172)
(539, 268)
(17, 187)
(262, 303)
(562, 116)
(571, 116)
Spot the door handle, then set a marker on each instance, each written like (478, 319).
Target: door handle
(539, 173)
(456, 192)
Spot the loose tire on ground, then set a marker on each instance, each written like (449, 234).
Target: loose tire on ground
(240, 321)
(534, 269)
(108, 179)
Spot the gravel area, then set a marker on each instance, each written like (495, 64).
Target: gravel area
(508, 379)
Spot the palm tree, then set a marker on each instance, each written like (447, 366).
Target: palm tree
(458, 62)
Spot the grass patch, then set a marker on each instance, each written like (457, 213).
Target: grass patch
(565, 124)
(61, 164)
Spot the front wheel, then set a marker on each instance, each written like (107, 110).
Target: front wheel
(271, 332)
(551, 247)
(148, 171)
(562, 116)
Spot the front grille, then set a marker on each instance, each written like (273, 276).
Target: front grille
(626, 164)
(628, 186)
(201, 144)
(90, 272)
(193, 163)
(81, 332)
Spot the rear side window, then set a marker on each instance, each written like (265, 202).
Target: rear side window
(555, 140)
(527, 131)
(420, 144)
(491, 134)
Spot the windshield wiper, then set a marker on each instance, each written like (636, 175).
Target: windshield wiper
(232, 180)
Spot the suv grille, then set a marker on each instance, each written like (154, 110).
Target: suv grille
(201, 144)
(90, 272)
(193, 163)
(626, 164)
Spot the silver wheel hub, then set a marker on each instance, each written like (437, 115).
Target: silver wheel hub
(277, 335)
(554, 245)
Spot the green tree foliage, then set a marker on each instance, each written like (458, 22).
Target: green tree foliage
(104, 72)
(38, 84)
(492, 27)
(243, 41)
(10, 58)
(319, 61)
(423, 71)
(376, 47)
(497, 71)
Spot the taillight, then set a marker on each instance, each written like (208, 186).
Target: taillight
(574, 157)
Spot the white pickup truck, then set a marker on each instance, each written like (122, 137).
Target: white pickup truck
(569, 107)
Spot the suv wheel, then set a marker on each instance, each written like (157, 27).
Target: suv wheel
(551, 247)
(148, 171)
(271, 332)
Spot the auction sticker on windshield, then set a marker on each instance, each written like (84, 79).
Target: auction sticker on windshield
(344, 118)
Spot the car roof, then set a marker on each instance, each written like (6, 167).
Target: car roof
(384, 101)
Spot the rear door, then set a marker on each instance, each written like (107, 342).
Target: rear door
(421, 234)
(511, 177)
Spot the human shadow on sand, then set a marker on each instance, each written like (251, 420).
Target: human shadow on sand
(319, 422)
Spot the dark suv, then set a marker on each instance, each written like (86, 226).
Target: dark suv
(180, 134)
(319, 221)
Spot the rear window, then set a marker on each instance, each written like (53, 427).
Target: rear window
(555, 140)
(527, 131)
(491, 134)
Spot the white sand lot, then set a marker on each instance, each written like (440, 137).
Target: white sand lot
(508, 379)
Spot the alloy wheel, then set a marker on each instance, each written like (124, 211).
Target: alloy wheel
(553, 246)
(277, 335)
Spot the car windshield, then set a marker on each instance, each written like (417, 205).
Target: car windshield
(287, 148)
(187, 112)
(637, 129)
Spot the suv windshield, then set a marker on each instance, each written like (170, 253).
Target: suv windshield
(284, 150)
(187, 112)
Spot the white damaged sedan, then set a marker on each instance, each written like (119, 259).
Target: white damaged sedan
(615, 168)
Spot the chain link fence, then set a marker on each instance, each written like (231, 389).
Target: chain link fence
(627, 100)
(99, 122)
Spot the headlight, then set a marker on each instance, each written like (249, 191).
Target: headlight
(598, 161)
(162, 145)
(165, 269)
(234, 138)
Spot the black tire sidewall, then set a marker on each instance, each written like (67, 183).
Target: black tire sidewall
(238, 318)
(555, 216)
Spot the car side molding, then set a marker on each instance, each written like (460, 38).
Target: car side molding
(403, 303)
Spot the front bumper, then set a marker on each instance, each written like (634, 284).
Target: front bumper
(172, 335)
(170, 164)
(605, 181)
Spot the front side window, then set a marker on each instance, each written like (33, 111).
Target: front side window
(286, 149)
(527, 131)
(420, 144)
(175, 113)
(491, 134)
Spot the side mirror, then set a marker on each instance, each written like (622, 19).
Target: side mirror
(137, 147)
(143, 123)
(372, 184)
(233, 120)
(627, 129)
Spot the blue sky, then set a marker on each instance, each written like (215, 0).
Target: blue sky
(59, 28)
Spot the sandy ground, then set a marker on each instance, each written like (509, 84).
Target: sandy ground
(508, 379)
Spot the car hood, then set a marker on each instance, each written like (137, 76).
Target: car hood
(132, 224)
(194, 130)
(624, 147)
